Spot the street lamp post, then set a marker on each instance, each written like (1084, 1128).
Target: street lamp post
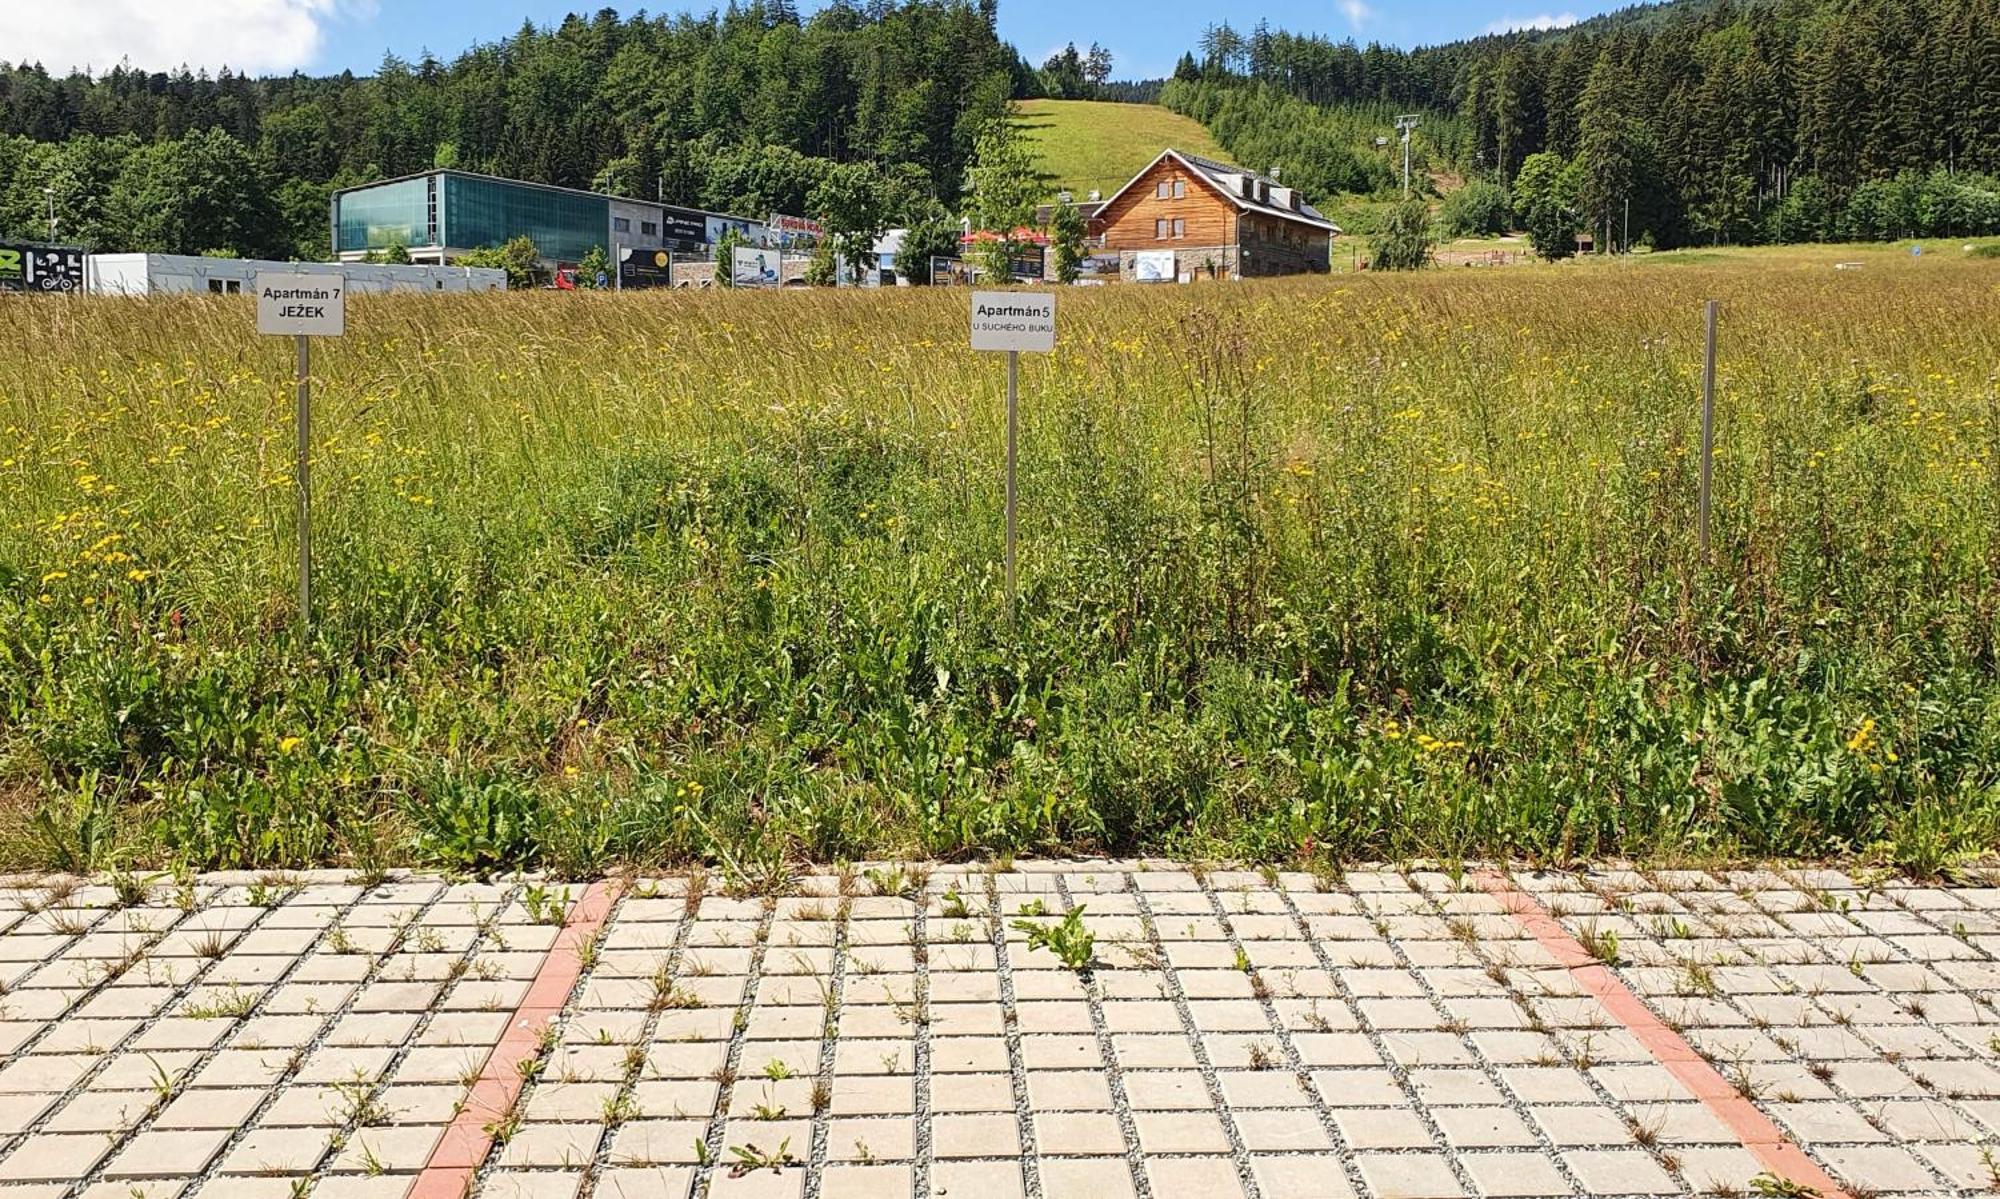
(49, 194)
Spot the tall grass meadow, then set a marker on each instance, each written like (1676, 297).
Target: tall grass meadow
(1311, 571)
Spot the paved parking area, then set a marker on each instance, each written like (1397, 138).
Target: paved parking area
(894, 1032)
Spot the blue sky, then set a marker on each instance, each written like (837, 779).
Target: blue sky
(1146, 36)
(326, 36)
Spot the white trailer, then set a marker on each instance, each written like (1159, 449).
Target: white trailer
(160, 274)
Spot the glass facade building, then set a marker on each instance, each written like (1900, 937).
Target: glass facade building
(458, 211)
(443, 213)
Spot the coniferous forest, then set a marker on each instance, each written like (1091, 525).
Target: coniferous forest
(1689, 122)
(1791, 120)
(743, 110)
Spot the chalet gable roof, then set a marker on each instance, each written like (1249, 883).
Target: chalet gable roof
(1217, 176)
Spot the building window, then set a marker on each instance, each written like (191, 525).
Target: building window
(1160, 190)
(1180, 227)
(1180, 189)
(225, 287)
(1160, 227)
(621, 224)
(650, 228)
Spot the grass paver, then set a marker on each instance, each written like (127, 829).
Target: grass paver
(1391, 1034)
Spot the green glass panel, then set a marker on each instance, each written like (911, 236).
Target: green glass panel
(488, 212)
(387, 214)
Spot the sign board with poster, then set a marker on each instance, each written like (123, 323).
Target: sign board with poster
(751, 266)
(951, 272)
(650, 267)
(1101, 265)
(1154, 266)
(25, 267)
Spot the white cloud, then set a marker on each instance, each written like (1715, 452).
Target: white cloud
(1356, 12)
(251, 36)
(1542, 21)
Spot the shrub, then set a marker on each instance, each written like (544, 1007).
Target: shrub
(1478, 209)
(519, 258)
(1406, 238)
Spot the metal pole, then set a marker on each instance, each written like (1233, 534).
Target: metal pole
(1013, 429)
(1707, 422)
(1406, 162)
(304, 368)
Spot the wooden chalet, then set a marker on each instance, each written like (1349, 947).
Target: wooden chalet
(1188, 217)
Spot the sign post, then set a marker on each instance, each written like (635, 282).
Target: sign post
(1705, 499)
(1013, 321)
(302, 305)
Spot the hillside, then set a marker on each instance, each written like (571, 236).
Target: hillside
(1086, 144)
(1689, 123)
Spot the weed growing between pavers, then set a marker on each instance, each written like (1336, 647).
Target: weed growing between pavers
(1318, 570)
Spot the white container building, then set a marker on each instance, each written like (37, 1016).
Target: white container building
(161, 274)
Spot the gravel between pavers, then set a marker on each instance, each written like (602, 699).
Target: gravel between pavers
(1386, 1034)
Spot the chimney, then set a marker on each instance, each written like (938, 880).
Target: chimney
(1095, 195)
(1277, 173)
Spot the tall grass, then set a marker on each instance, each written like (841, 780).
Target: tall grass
(1317, 569)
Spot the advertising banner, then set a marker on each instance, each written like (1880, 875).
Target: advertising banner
(754, 267)
(794, 230)
(40, 268)
(1028, 266)
(753, 231)
(683, 227)
(644, 267)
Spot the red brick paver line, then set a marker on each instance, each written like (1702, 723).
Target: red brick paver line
(1761, 1137)
(467, 1141)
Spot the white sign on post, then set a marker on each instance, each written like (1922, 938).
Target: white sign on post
(1014, 320)
(301, 304)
